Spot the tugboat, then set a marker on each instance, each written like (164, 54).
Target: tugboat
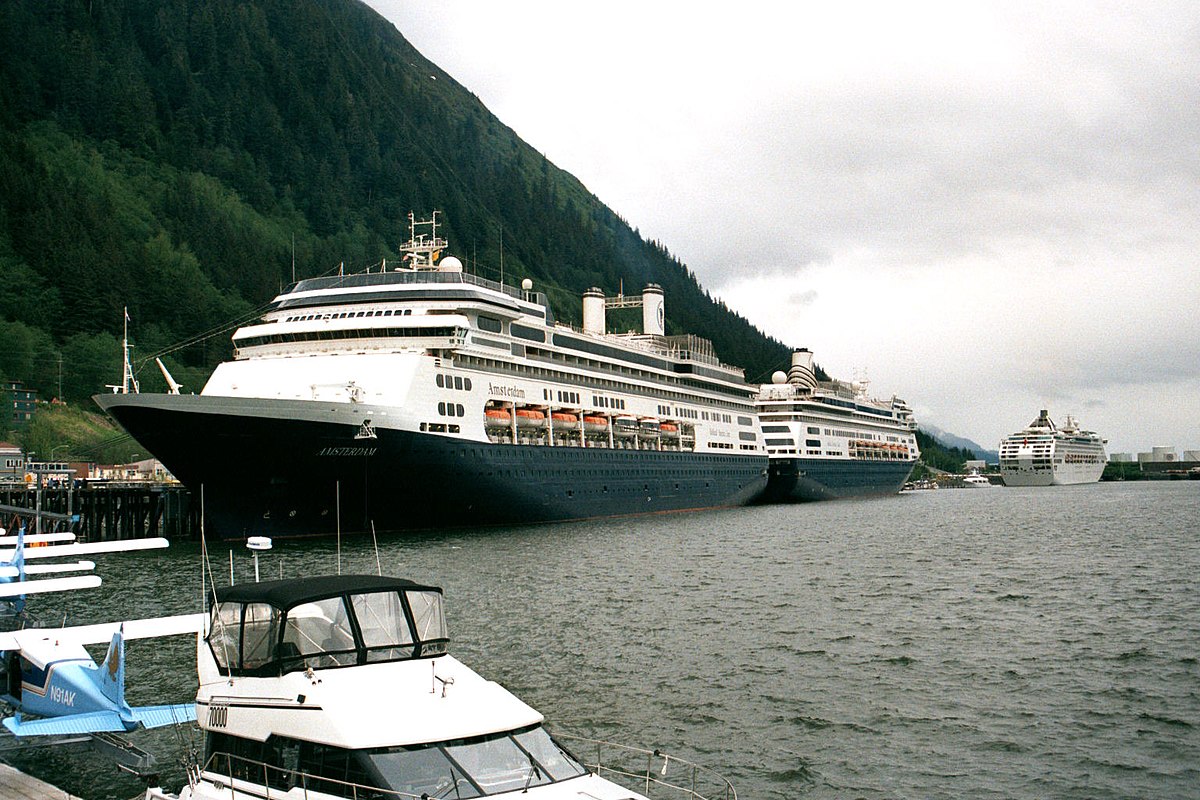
(340, 687)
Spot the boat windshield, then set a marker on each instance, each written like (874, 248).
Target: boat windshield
(346, 629)
(475, 767)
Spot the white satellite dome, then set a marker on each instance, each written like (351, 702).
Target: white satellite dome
(778, 377)
(450, 264)
(527, 284)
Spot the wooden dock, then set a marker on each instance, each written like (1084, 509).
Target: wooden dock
(110, 511)
(16, 785)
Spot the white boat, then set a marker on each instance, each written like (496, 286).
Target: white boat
(976, 481)
(335, 687)
(1043, 454)
(828, 440)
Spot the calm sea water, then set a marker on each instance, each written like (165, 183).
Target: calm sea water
(989, 643)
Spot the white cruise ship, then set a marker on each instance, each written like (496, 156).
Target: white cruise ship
(829, 440)
(1045, 455)
(423, 396)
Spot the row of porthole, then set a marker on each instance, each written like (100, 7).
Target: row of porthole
(451, 410)
(453, 382)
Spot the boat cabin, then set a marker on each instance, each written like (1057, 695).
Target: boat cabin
(275, 627)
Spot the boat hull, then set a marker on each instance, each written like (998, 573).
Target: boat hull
(802, 480)
(1061, 475)
(301, 471)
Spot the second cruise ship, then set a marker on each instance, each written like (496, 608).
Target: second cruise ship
(828, 440)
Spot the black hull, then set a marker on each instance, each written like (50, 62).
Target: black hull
(803, 480)
(284, 477)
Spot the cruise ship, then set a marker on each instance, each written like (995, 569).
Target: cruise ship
(828, 440)
(422, 396)
(1045, 455)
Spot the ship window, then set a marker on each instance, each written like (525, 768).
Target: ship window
(260, 631)
(546, 752)
(438, 381)
(224, 635)
(385, 630)
(321, 629)
(458, 384)
(497, 765)
(422, 772)
(489, 324)
(428, 617)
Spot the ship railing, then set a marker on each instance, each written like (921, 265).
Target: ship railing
(403, 277)
(652, 772)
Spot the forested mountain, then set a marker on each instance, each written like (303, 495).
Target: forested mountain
(174, 157)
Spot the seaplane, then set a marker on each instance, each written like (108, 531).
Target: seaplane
(50, 683)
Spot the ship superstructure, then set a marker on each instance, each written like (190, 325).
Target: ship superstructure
(421, 395)
(828, 440)
(1043, 454)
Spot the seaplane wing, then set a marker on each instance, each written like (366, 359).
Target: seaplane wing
(19, 588)
(13, 571)
(86, 548)
(103, 632)
(36, 539)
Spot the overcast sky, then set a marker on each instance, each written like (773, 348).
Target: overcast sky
(987, 209)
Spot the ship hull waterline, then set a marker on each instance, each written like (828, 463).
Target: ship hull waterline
(805, 480)
(303, 472)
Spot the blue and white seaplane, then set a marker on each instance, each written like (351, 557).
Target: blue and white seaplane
(47, 673)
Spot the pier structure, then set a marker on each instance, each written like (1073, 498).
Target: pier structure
(16, 785)
(111, 511)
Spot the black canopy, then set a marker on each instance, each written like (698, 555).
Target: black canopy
(291, 592)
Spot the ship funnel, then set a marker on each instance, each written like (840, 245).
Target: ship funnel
(801, 372)
(653, 315)
(593, 312)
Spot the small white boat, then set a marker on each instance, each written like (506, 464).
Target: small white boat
(976, 481)
(339, 687)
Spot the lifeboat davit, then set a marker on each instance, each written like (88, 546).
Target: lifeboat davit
(625, 427)
(648, 426)
(669, 430)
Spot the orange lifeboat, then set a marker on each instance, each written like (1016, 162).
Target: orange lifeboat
(594, 424)
(496, 418)
(530, 418)
(568, 419)
(669, 430)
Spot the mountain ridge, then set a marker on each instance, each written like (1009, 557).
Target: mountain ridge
(177, 159)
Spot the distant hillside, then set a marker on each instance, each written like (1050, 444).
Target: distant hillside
(174, 157)
(950, 440)
(936, 454)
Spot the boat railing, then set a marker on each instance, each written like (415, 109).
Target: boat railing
(652, 772)
(278, 782)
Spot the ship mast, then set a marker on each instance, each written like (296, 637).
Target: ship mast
(127, 379)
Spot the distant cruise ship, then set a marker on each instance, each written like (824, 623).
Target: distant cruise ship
(420, 396)
(829, 440)
(1044, 455)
